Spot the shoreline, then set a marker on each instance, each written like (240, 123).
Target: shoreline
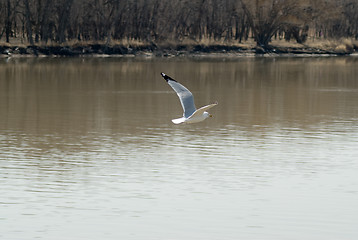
(178, 50)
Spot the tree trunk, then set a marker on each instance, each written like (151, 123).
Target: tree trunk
(8, 22)
(44, 28)
(28, 22)
(64, 15)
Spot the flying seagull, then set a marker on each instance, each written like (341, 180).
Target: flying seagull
(191, 114)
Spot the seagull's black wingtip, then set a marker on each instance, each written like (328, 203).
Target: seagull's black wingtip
(166, 77)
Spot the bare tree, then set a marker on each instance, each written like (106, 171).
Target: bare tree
(9, 10)
(158, 20)
(266, 17)
(8, 20)
(63, 14)
(28, 22)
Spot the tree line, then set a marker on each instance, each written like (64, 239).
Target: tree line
(60, 21)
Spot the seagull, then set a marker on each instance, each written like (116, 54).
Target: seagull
(191, 114)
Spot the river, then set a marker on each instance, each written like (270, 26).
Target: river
(88, 149)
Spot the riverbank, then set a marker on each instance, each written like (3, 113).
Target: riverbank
(179, 49)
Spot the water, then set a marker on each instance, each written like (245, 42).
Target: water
(88, 150)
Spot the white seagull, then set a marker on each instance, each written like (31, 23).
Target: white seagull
(191, 114)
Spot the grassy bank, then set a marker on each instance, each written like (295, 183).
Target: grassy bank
(182, 48)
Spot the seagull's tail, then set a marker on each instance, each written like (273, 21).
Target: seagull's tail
(179, 120)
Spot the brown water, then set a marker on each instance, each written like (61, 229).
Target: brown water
(88, 150)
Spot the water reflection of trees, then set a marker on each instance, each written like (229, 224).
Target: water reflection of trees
(79, 96)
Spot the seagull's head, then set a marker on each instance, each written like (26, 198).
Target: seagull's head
(206, 114)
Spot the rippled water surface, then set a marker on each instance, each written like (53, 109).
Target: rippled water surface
(88, 150)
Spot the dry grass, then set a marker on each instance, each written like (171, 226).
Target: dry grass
(128, 42)
(207, 42)
(13, 42)
(71, 43)
(74, 43)
(339, 45)
(344, 45)
(284, 43)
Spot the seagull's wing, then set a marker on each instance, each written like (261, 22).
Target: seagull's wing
(185, 96)
(201, 110)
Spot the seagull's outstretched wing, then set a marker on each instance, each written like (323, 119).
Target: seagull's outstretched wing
(185, 96)
(201, 110)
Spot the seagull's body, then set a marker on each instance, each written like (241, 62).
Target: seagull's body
(191, 114)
